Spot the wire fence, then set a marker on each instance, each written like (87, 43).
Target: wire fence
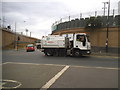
(88, 20)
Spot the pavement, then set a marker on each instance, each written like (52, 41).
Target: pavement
(105, 54)
(43, 76)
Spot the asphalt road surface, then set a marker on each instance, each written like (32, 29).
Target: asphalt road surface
(35, 70)
(38, 57)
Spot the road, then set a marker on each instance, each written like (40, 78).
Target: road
(38, 57)
(34, 70)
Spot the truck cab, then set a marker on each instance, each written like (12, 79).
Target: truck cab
(81, 44)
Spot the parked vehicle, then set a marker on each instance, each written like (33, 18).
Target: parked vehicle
(30, 47)
(57, 45)
(38, 44)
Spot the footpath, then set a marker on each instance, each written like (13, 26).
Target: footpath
(105, 54)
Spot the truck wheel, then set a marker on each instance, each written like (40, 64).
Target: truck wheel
(48, 54)
(77, 53)
(56, 52)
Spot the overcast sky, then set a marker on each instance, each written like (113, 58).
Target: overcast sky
(38, 15)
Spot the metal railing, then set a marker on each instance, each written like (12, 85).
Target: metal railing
(80, 20)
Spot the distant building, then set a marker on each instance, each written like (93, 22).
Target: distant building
(119, 7)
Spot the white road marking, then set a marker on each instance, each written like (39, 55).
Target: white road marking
(6, 63)
(97, 67)
(32, 64)
(51, 81)
(63, 65)
(10, 81)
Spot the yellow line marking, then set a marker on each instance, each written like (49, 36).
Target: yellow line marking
(64, 65)
(52, 81)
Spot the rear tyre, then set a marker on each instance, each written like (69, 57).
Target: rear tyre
(48, 53)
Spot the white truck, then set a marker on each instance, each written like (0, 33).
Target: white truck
(74, 45)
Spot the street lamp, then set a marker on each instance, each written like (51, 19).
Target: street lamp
(26, 31)
(0, 22)
(107, 26)
(15, 38)
(30, 34)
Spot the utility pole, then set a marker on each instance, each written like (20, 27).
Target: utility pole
(113, 12)
(69, 22)
(95, 13)
(3, 22)
(80, 15)
(69, 18)
(107, 26)
(15, 38)
(0, 22)
(61, 20)
(104, 7)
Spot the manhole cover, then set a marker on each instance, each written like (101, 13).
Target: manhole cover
(9, 84)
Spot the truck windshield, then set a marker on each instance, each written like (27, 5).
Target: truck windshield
(38, 41)
(81, 38)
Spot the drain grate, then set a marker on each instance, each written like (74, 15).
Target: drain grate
(9, 84)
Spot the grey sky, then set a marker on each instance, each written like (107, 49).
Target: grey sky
(38, 16)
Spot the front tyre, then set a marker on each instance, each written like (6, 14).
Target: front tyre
(77, 53)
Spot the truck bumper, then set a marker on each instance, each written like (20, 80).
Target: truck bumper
(85, 52)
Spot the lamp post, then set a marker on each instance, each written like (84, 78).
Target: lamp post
(0, 22)
(95, 13)
(107, 26)
(26, 31)
(30, 34)
(15, 38)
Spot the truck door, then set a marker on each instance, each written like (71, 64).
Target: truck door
(81, 42)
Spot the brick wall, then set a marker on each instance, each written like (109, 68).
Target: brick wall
(9, 37)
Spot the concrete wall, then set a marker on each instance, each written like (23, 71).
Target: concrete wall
(98, 37)
(9, 38)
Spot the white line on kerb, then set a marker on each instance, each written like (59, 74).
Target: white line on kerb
(51, 81)
(6, 63)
